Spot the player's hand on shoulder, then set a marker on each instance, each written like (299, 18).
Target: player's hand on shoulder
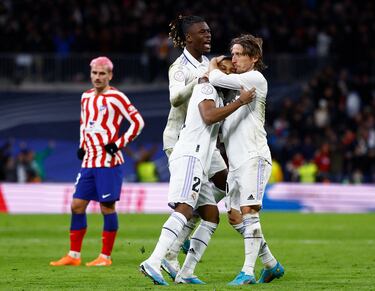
(247, 96)
(203, 78)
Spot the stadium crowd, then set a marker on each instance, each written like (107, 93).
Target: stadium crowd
(326, 134)
(26, 166)
(124, 26)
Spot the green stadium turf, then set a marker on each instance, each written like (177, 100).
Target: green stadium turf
(318, 251)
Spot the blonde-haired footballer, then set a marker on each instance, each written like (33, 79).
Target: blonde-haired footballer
(248, 154)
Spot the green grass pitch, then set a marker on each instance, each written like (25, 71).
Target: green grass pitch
(318, 251)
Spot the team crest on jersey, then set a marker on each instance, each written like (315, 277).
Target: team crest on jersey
(102, 108)
(207, 89)
(179, 76)
(194, 195)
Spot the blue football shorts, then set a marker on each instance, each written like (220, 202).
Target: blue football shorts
(99, 184)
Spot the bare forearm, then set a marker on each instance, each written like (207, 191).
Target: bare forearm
(217, 114)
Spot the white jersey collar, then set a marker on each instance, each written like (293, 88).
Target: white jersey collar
(193, 60)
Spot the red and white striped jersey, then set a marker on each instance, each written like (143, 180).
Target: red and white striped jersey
(101, 117)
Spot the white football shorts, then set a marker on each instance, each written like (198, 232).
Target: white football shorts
(217, 163)
(188, 183)
(246, 185)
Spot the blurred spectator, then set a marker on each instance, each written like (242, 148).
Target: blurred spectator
(145, 167)
(5, 156)
(276, 173)
(323, 162)
(293, 165)
(157, 48)
(307, 172)
(26, 167)
(39, 160)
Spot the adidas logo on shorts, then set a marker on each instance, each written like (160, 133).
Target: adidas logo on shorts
(251, 197)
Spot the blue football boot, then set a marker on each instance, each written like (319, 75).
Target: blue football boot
(267, 275)
(242, 279)
(151, 273)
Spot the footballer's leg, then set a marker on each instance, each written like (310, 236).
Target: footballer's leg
(170, 231)
(170, 263)
(272, 268)
(108, 235)
(85, 191)
(78, 228)
(208, 211)
(184, 171)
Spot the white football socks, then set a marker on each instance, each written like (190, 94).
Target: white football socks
(198, 245)
(252, 240)
(170, 231)
(239, 228)
(74, 254)
(266, 256)
(174, 250)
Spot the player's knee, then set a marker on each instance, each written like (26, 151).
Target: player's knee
(209, 213)
(107, 207)
(78, 207)
(213, 219)
(185, 209)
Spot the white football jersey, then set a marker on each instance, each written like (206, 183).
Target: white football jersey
(185, 70)
(243, 131)
(198, 139)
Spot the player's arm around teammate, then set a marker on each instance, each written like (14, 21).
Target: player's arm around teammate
(248, 154)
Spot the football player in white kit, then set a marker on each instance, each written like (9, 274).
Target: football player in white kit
(193, 35)
(248, 154)
(190, 164)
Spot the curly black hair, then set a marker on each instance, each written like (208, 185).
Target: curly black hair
(179, 28)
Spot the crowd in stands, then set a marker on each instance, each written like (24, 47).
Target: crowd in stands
(328, 133)
(26, 166)
(325, 135)
(125, 26)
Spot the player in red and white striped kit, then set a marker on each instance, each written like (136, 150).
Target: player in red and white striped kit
(103, 109)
